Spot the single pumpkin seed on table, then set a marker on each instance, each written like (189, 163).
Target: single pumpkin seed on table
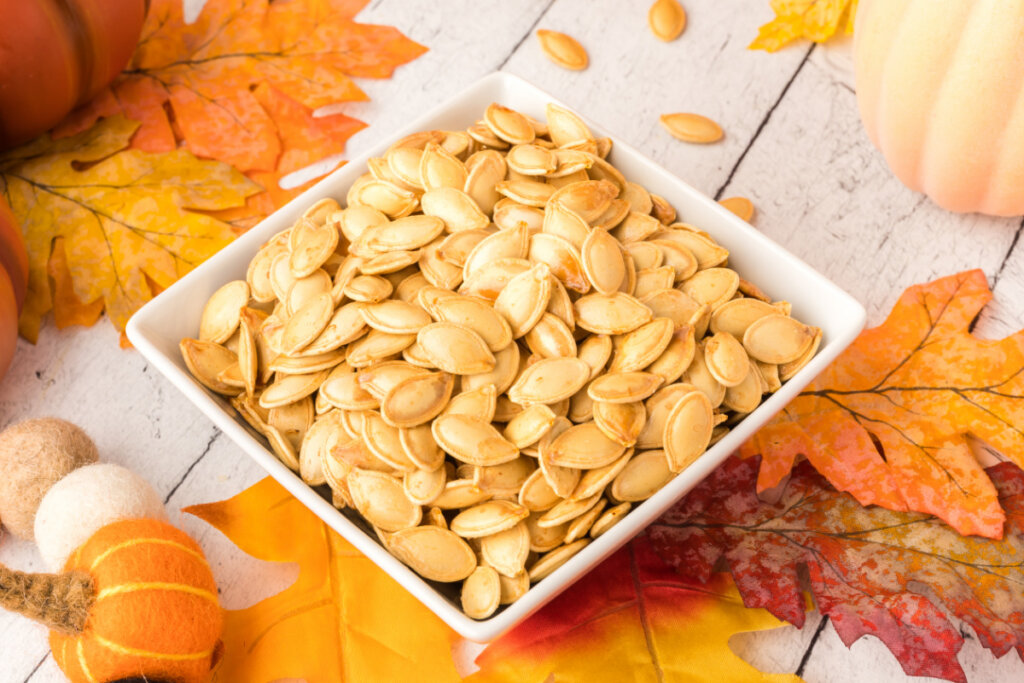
(487, 331)
(692, 128)
(563, 50)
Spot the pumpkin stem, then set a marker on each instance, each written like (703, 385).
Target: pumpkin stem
(59, 601)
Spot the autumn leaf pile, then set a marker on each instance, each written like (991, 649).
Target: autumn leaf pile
(186, 147)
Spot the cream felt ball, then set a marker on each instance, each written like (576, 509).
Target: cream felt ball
(86, 500)
(34, 455)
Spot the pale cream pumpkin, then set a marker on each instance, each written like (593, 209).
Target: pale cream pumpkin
(940, 85)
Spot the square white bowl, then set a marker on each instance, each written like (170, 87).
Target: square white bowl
(160, 325)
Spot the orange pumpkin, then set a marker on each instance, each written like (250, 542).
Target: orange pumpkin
(56, 55)
(156, 613)
(940, 84)
(13, 283)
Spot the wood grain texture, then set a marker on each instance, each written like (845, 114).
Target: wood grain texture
(793, 144)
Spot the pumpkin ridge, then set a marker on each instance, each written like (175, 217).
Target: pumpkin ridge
(140, 541)
(111, 591)
(82, 47)
(915, 179)
(80, 650)
(136, 652)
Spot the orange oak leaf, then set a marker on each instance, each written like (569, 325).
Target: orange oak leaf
(342, 620)
(199, 79)
(888, 421)
(871, 571)
(816, 20)
(127, 217)
(631, 619)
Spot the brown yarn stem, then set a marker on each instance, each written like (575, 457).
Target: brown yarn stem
(59, 601)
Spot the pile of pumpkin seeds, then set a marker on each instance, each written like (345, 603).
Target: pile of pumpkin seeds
(495, 350)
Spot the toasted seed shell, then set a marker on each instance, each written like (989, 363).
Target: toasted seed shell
(381, 500)
(513, 588)
(745, 396)
(419, 446)
(505, 479)
(692, 128)
(624, 387)
(417, 400)
(602, 262)
(479, 402)
(551, 338)
(712, 286)
(455, 349)
(609, 518)
(584, 447)
(550, 380)
(737, 315)
(531, 160)
(385, 443)
(459, 494)
(206, 360)
(508, 124)
(506, 366)
(610, 314)
(551, 561)
(527, 428)
(579, 527)
(642, 477)
(563, 50)
(488, 518)
(434, 553)
(512, 242)
(536, 493)
(562, 258)
(620, 422)
(481, 593)
(787, 370)
(777, 339)
(395, 317)
(314, 244)
(291, 388)
(726, 359)
(524, 299)
(688, 430)
(667, 19)
(456, 208)
(473, 441)
(222, 312)
(507, 550)
(424, 487)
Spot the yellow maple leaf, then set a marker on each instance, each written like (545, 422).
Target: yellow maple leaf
(343, 619)
(633, 618)
(127, 217)
(817, 20)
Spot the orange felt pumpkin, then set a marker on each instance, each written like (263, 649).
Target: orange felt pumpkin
(8, 322)
(940, 84)
(56, 54)
(155, 612)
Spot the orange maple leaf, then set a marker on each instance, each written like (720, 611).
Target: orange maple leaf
(204, 73)
(343, 619)
(631, 619)
(816, 20)
(888, 421)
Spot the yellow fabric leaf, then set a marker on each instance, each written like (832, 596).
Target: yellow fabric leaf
(632, 618)
(816, 20)
(125, 215)
(343, 620)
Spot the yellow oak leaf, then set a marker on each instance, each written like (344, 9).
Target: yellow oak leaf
(343, 619)
(817, 20)
(127, 217)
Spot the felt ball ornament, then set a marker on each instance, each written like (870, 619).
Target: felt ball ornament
(939, 85)
(34, 455)
(86, 500)
(137, 600)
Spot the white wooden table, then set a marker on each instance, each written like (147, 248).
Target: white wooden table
(794, 145)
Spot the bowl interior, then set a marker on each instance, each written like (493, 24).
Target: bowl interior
(157, 329)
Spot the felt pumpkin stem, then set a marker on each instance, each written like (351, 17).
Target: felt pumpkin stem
(59, 601)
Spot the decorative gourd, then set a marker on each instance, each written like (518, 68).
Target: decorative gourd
(56, 54)
(940, 84)
(136, 600)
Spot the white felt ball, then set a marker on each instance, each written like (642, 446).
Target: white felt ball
(87, 500)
